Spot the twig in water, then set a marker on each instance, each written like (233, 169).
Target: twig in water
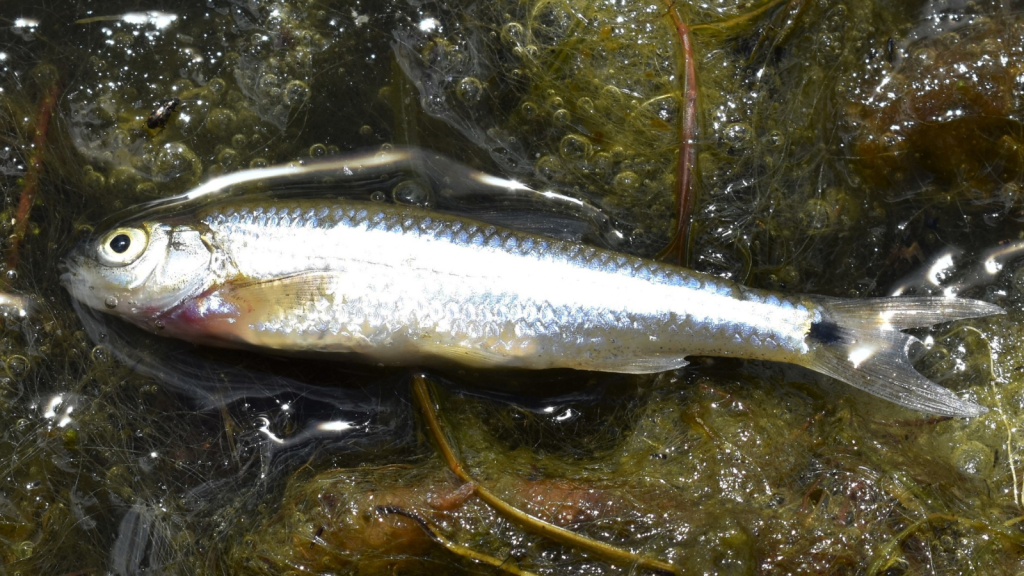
(454, 547)
(613, 554)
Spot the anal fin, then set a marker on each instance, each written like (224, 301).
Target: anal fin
(648, 365)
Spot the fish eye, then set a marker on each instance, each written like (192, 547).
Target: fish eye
(120, 243)
(122, 246)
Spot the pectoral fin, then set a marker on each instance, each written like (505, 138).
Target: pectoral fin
(283, 291)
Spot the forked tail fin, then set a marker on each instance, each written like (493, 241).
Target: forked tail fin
(860, 342)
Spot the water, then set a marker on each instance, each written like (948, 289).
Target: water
(845, 149)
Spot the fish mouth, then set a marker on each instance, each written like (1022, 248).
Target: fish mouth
(68, 268)
(73, 263)
(73, 276)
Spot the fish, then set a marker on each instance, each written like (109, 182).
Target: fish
(401, 285)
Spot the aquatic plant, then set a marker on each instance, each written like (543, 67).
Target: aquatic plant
(225, 463)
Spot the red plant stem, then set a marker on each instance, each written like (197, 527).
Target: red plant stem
(35, 168)
(685, 196)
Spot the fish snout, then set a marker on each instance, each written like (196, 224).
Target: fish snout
(72, 271)
(68, 269)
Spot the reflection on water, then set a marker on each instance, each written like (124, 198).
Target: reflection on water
(848, 149)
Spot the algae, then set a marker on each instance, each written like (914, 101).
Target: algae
(842, 148)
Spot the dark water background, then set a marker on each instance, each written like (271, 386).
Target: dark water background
(842, 148)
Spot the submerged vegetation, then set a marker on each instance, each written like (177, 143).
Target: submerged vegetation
(847, 149)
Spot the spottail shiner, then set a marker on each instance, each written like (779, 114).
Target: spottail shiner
(401, 285)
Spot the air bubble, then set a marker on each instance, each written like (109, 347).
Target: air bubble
(238, 140)
(123, 178)
(120, 139)
(924, 56)
(110, 302)
(177, 162)
(529, 110)
(661, 112)
(221, 121)
(317, 151)
(738, 135)
(550, 21)
(469, 90)
(513, 33)
(411, 192)
(123, 40)
(25, 549)
(549, 167)
(228, 157)
(16, 366)
(378, 196)
(267, 83)
(183, 85)
(973, 459)
(627, 181)
(11, 275)
(94, 181)
(296, 93)
(562, 116)
(576, 147)
(101, 354)
(612, 94)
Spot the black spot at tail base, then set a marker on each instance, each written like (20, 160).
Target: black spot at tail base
(825, 332)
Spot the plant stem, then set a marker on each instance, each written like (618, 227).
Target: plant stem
(530, 523)
(32, 174)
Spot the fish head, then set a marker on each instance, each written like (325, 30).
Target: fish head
(139, 270)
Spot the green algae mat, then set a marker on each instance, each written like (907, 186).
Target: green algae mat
(848, 149)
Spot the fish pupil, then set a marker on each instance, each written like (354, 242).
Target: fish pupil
(120, 243)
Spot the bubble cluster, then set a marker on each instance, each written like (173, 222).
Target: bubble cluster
(570, 108)
(243, 94)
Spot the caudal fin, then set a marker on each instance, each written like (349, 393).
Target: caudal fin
(860, 342)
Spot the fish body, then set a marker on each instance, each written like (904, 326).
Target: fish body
(400, 285)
